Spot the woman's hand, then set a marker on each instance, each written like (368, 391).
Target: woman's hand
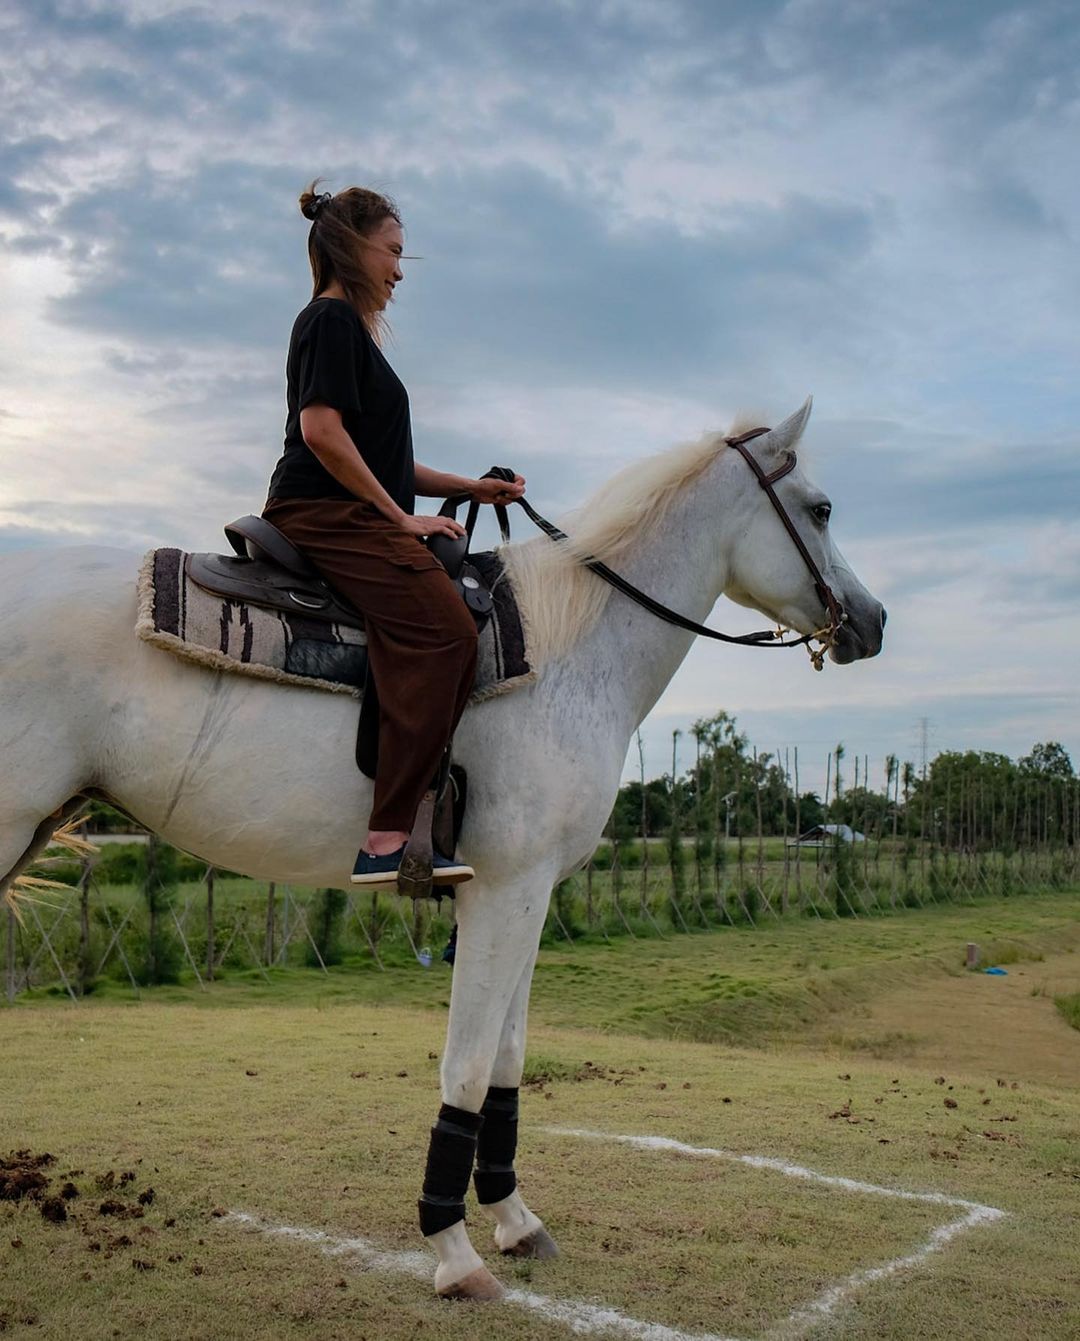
(422, 526)
(497, 491)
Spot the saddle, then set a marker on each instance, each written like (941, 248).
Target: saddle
(267, 570)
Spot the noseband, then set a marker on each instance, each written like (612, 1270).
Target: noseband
(825, 637)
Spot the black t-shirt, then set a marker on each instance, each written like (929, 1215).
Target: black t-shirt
(334, 361)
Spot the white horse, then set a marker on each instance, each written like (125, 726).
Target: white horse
(260, 778)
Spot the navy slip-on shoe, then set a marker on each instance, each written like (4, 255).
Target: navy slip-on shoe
(376, 871)
(448, 871)
(370, 870)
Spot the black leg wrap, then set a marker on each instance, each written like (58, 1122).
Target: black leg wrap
(449, 1164)
(494, 1177)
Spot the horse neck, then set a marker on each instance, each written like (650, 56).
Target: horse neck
(680, 561)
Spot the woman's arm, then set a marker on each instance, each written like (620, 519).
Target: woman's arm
(437, 484)
(325, 435)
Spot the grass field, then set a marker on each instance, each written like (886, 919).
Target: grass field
(857, 1049)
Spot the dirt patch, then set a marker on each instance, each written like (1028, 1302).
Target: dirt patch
(21, 1175)
(543, 1071)
(120, 1210)
(23, 1178)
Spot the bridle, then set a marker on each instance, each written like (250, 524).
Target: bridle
(825, 636)
(837, 615)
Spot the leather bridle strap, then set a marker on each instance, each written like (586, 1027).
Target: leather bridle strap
(824, 591)
(764, 637)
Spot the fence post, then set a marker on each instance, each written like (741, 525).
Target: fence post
(210, 924)
(270, 890)
(644, 899)
(85, 973)
(10, 954)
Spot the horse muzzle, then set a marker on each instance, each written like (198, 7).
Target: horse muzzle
(860, 635)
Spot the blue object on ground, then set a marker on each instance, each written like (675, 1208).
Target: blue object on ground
(998, 973)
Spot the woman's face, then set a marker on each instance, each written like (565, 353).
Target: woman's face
(381, 258)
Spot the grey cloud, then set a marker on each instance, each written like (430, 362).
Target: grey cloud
(22, 158)
(520, 255)
(919, 495)
(148, 255)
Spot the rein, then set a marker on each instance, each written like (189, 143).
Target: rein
(765, 638)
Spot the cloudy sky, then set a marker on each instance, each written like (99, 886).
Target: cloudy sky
(637, 218)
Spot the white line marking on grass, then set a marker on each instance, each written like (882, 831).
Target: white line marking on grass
(580, 1317)
(806, 1315)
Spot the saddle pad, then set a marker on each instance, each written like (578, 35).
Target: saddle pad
(179, 617)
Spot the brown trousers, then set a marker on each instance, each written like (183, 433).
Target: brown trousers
(421, 638)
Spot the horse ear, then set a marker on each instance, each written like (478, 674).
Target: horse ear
(784, 436)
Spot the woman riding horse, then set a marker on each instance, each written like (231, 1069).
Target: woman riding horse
(344, 493)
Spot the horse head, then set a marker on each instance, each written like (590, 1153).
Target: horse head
(768, 570)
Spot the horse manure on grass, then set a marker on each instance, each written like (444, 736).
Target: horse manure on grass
(54, 1210)
(21, 1176)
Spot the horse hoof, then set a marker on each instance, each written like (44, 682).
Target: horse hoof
(479, 1285)
(539, 1245)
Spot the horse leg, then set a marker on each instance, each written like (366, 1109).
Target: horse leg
(498, 932)
(518, 1232)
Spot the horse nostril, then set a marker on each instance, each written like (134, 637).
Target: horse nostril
(884, 616)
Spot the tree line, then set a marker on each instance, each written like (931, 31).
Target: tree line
(972, 799)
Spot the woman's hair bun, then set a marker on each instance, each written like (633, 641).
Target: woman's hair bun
(313, 202)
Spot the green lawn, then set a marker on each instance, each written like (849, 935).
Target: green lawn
(307, 1100)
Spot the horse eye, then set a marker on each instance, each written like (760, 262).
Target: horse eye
(821, 512)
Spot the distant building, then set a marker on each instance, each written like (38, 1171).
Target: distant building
(825, 835)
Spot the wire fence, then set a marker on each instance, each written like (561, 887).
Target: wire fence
(144, 914)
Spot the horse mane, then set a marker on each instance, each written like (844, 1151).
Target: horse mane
(558, 598)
